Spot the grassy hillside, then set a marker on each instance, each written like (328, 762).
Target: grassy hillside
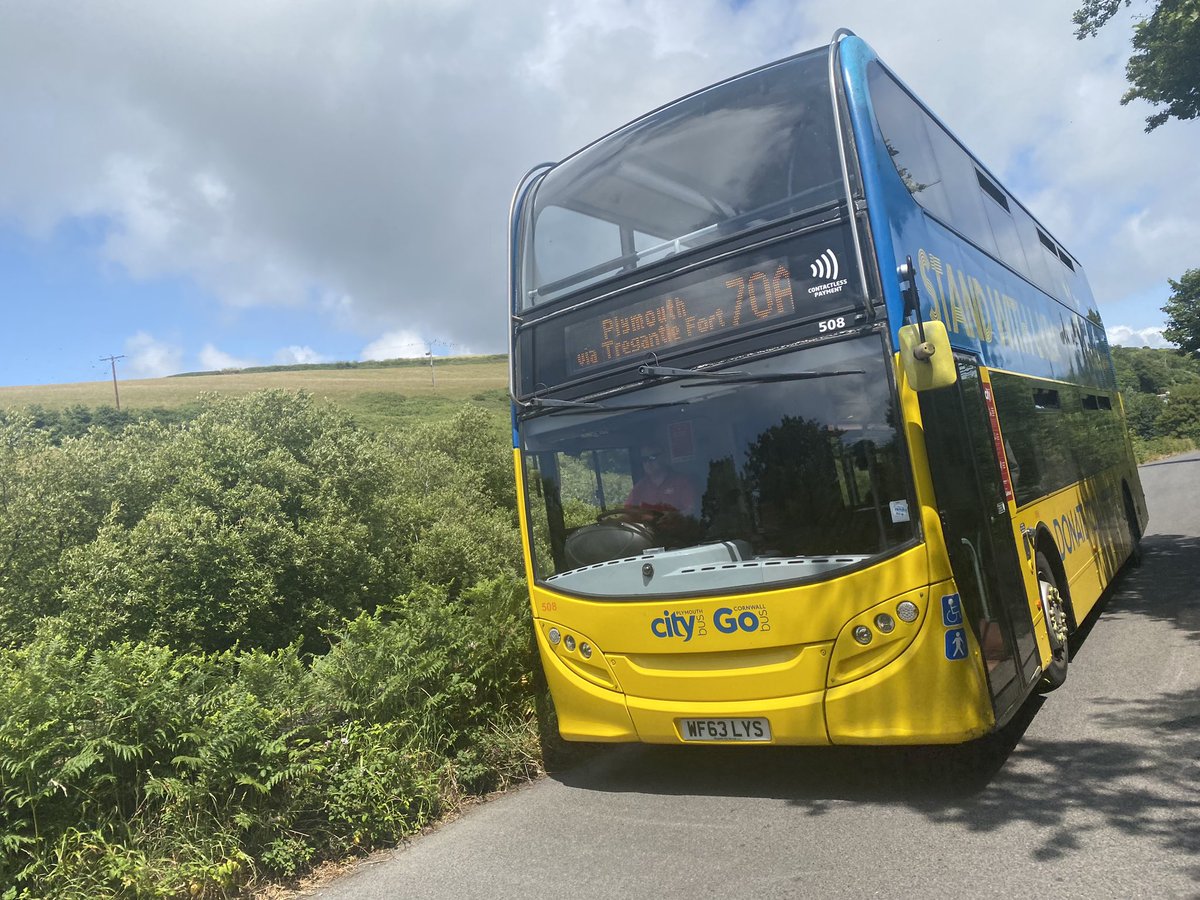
(376, 394)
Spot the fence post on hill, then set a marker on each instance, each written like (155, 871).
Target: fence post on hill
(113, 361)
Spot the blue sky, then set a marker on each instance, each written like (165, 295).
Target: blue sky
(201, 186)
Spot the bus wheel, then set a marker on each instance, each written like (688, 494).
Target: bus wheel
(1056, 626)
(1135, 532)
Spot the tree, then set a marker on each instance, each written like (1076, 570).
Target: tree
(1181, 414)
(1165, 70)
(1183, 313)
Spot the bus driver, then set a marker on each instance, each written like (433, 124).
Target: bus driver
(660, 489)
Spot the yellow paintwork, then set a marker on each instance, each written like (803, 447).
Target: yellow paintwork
(802, 669)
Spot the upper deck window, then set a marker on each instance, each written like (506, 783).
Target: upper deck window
(746, 152)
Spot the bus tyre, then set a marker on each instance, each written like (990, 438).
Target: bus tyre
(1056, 627)
(1135, 532)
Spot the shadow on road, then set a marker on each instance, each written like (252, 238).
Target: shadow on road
(1165, 587)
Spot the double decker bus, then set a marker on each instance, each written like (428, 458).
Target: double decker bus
(815, 426)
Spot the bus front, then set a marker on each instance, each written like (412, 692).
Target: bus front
(722, 521)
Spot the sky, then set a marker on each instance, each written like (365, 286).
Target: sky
(198, 186)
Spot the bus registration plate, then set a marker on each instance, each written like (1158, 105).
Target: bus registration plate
(725, 729)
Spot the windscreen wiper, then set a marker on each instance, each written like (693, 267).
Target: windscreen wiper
(549, 404)
(672, 372)
(657, 371)
(747, 378)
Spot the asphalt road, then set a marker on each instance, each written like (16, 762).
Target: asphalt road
(1094, 792)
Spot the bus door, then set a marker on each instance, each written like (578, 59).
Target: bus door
(971, 501)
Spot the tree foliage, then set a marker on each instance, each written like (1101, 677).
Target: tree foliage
(1165, 67)
(264, 521)
(1183, 313)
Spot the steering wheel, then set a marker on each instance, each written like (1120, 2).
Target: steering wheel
(639, 515)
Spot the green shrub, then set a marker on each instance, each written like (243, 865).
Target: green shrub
(138, 770)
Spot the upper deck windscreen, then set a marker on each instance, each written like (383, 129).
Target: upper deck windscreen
(746, 152)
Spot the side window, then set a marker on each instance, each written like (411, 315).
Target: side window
(902, 123)
(1042, 266)
(566, 242)
(936, 170)
(1035, 417)
(999, 213)
(967, 213)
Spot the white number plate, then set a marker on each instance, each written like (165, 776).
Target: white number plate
(725, 729)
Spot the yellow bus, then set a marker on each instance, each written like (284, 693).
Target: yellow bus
(815, 426)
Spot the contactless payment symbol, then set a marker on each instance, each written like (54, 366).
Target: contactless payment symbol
(952, 610)
(956, 644)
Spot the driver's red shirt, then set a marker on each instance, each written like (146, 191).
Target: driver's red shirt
(673, 494)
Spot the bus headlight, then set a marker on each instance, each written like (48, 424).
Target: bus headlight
(585, 650)
(876, 637)
(569, 643)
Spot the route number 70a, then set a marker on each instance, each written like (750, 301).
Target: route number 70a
(831, 324)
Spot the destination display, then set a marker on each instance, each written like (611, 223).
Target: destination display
(800, 278)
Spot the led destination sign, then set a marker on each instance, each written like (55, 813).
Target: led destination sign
(741, 294)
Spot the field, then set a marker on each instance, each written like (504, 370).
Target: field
(376, 394)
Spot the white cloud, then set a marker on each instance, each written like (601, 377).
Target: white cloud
(1124, 336)
(294, 355)
(148, 357)
(212, 359)
(357, 159)
(395, 345)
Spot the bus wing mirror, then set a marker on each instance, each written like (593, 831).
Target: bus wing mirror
(929, 363)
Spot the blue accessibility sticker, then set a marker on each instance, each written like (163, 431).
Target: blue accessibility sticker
(956, 643)
(952, 610)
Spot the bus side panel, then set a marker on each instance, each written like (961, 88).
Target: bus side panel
(925, 696)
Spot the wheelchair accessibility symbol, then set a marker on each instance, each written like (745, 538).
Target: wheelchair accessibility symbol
(952, 610)
(956, 644)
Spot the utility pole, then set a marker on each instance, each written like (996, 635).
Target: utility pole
(113, 361)
(432, 378)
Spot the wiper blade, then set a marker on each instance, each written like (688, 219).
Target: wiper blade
(672, 372)
(549, 404)
(746, 378)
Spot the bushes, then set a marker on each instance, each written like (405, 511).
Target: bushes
(264, 521)
(247, 641)
(138, 770)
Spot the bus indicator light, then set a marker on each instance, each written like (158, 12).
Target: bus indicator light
(907, 611)
(555, 636)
